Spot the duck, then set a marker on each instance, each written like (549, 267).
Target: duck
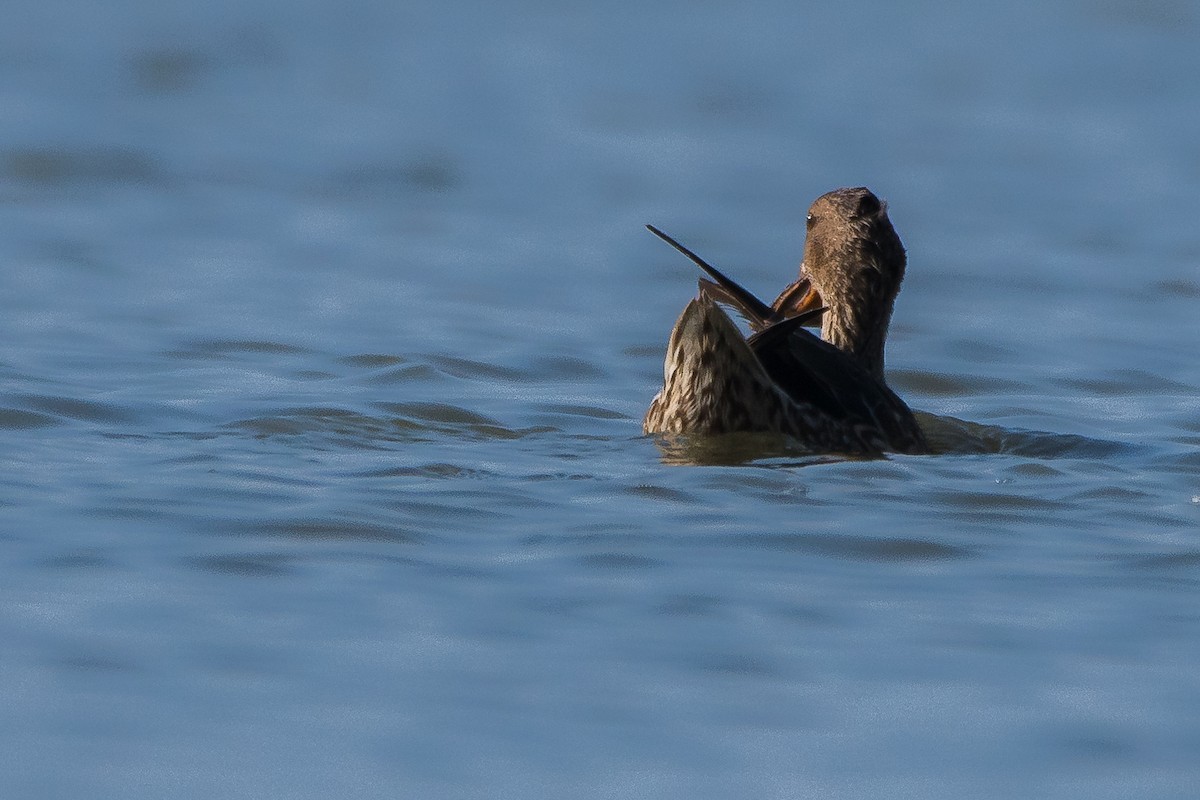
(828, 394)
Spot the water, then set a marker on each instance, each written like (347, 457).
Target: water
(327, 332)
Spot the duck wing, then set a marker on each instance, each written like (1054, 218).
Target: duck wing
(814, 372)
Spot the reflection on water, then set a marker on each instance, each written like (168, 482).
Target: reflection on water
(950, 436)
(946, 436)
(736, 448)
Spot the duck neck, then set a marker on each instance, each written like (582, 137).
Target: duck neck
(857, 334)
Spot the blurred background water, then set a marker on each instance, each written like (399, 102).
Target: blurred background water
(327, 329)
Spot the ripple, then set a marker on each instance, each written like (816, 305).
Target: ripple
(766, 481)
(436, 470)
(619, 561)
(96, 663)
(390, 370)
(412, 373)
(939, 384)
(568, 368)
(438, 412)
(767, 484)
(1126, 381)
(466, 368)
(446, 418)
(995, 502)
(333, 530)
(739, 664)
(82, 560)
(691, 605)
(592, 412)
(1020, 508)
(1178, 288)
(1187, 463)
(73, 408)
(406, 422)
(373, 360)
(48, 165)
(858, 548)
(251, 565)
(662, 493)
(1186, 560)
(1113, 494)
(221, 348)
(441, 512)
(341, 422)
(1030, 469)
(131, 509)
(18, 419)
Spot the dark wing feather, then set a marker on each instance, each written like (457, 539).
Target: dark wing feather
(723, 288)
(812, 371)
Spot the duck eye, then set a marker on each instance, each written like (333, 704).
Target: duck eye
(808, 222)
(868, 205)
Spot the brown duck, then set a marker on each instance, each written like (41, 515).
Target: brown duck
(829, 394)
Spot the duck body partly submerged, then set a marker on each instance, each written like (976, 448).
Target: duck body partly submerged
(826, 393)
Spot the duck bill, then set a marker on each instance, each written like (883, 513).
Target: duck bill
(799, 298)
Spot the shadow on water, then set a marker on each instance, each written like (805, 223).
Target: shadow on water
(952, 436)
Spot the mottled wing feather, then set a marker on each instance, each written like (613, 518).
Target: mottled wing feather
(712, 382)
(729, 290)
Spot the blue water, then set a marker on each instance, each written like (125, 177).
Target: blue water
(327, 330)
